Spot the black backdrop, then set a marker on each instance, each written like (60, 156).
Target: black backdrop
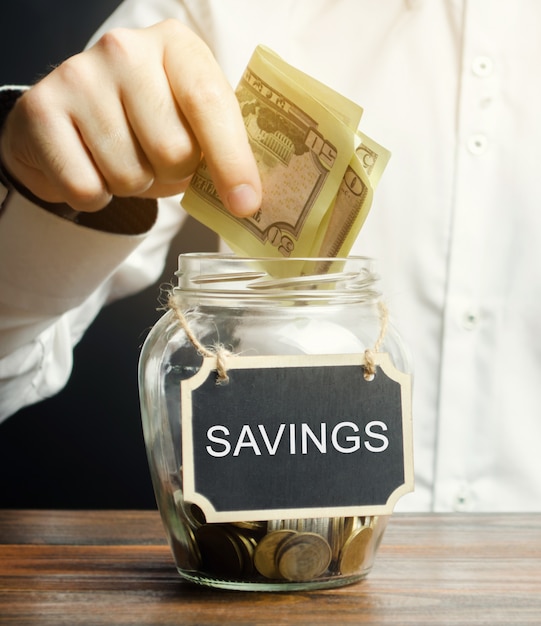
(84, 447)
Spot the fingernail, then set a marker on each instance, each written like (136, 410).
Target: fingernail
(243, 200)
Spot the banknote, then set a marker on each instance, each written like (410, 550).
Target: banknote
(347, 214)
(318, 171)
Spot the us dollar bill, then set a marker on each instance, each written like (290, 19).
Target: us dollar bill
(347, 214)
(317, 170)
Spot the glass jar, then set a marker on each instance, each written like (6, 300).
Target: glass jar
(262, 307)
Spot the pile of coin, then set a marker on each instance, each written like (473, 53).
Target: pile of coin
(292, 555)
(296, 550)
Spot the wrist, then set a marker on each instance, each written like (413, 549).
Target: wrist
(8, 97)
(129, 216)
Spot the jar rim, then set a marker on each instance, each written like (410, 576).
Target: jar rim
(233, 256)
(293, 278)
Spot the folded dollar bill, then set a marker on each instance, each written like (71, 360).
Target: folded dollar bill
(317, 169)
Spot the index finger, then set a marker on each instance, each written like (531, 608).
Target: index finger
(209, 105)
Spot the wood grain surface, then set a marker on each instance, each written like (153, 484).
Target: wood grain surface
(114, 567)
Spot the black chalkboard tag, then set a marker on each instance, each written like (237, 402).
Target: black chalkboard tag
(296, 437)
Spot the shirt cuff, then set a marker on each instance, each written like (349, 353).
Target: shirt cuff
(50, 265)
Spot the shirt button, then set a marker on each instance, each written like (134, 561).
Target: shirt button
(463, 500)
(477, 144)
(482, 66)
(470, 320)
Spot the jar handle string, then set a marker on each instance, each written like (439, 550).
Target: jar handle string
(218, 351)
(370, 353)
(221, 353)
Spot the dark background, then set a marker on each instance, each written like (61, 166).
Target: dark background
(84, 447)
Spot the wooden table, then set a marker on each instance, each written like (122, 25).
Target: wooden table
(113, 567)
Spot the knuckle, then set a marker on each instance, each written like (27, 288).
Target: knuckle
(116, 43)
(86, 196)
(85, 192)
(204, 98)
(34, 104)
(120, 165)
(120, 52)
(76, 74)
(172, 158)
(128, 181)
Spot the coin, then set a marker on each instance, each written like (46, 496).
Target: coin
(353, 523)
(274, 524)
(336, 536)
(319, 525)
(196, 515)
(221, 554)
(265, 552)
(354, 550)
(247, 545)
(303, 557)
(253, 526)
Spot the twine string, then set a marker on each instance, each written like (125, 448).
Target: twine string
(220, 353)
(370, 353)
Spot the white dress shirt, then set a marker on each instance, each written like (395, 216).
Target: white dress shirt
(452, 88)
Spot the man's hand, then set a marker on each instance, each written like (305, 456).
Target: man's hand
(131, 116)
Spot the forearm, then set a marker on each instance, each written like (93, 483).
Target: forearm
(55, 274)
(54, 277)
(83, 168)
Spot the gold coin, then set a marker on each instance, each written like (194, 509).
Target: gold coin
(336, 536)
(254, 526)
(354, 550)
(265, 552)
(303, 557)
(247, 545)
(221, 554)
(352, 524)
(196, 515)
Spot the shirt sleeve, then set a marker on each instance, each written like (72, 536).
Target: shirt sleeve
(57, 270)
(56, 274)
